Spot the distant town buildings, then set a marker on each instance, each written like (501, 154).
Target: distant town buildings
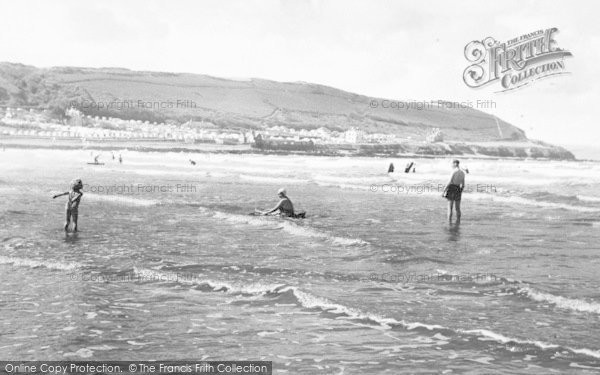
(434, 135)
(19, 122)
(325, 136)
(354, 136)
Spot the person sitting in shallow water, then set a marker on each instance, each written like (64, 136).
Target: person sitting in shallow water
(285, 205)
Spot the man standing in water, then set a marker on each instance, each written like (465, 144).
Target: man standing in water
(453, 191)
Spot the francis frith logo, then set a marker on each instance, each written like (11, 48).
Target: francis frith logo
(516, 62)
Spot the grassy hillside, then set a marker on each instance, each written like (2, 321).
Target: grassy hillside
(233, 103)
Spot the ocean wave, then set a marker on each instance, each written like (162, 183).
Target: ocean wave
(560, 302)
(32, 263)
(485, 334)
(382, 186)
(587, 198)
(529, 202)
(430, 190)
(310, 301)
(475, 178)
(342, 185)
(304, 299)
(364, 180)
(546, 196)
(161, 172)
(273, 180)
(120, 200)
(472, 278)
(217, 286)
(287, 226)
(188, 172)
(245, 169)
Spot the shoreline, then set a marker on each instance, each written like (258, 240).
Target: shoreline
(375, 151)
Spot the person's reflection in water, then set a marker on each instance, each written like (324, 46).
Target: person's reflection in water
(71, 238)
(453, 231)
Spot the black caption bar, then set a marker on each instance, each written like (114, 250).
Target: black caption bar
(137, 367)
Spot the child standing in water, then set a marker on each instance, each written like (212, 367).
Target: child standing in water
(72, 206)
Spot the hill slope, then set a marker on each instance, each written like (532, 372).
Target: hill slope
(235, 103)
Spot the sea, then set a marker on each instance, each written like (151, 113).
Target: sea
(169, 264)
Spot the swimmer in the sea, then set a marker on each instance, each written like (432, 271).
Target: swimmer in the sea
(285, 206)
(72, 206)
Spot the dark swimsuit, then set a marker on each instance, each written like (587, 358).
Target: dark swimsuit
(288, 213)
(453, 193)
(73, 199)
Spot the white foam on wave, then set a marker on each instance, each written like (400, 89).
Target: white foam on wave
(305, 299)
(529, 202)
(188, 172)
(380, 185)
(245, 169)
(587, 198)
(287, 226)
(82, 353)
(432, 190)
(310, 301)
(586, 352)
(561, 302)
(32, 263)
(363, 180)
(273, 180)
(218, 286)
(487, 335)
(8, 189)
(160, 172)
(480, 177)
(493, 336)
(342, 185)
(121, 200)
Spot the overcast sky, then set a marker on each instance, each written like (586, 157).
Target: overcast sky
(391, 49)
